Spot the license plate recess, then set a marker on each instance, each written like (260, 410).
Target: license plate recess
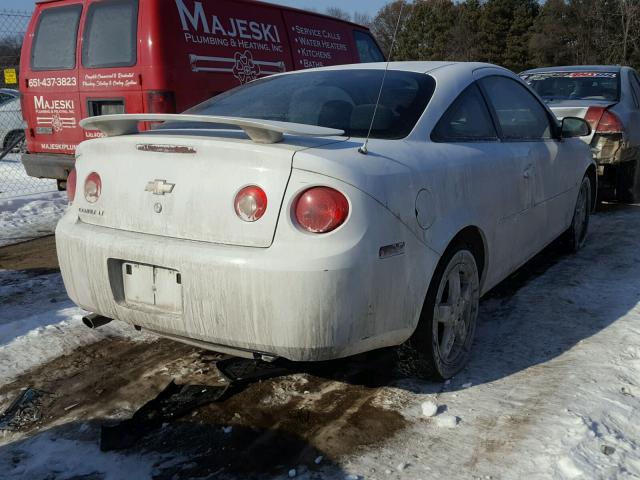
(152, 286)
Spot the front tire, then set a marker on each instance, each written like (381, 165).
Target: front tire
(448, 320)
(576, 235)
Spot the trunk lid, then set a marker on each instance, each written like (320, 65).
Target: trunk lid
(183, 185)
(577, 108)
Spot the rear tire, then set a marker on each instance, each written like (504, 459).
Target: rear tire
(448, 320)
(576, 235)
(628, 182)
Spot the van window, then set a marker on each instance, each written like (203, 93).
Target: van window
(110, 34)
(54, 44)
(367, 48)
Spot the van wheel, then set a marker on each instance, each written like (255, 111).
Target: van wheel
(576, 235)
(447, 324)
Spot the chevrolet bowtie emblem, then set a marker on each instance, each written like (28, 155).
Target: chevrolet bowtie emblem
(159, 187)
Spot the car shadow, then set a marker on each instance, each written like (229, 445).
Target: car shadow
(557, 299)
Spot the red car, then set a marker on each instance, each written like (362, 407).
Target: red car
(83, 58)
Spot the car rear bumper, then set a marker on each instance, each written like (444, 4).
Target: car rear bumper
(46, 165)
(612, 149)
(271, 301)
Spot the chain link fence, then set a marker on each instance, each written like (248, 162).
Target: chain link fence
(14, 182)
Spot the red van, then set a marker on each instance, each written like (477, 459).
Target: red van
(82, 58)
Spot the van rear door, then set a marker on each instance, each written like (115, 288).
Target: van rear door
(319, 41)
(51, 101)
(110, 77)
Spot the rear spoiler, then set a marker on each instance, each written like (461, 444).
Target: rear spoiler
(260, 131)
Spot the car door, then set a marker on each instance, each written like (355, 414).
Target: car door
(526, 131)
(501, 193)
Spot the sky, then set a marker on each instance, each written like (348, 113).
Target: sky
(367, 6)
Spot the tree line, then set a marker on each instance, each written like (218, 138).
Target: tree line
(517, 34)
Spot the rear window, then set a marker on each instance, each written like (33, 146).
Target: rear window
(368, 50)
(110, 34)
(342, 99)
(554, 86)
(54, 44)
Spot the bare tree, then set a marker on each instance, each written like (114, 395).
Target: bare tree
(629, 22)
(338, 13)
(384, 24)
(362, 18)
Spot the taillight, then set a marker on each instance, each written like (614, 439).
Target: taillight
(602, 120)
(92, 187)
(71, 185)
(609, 123)
(161, 102)
(250, 203)
(321, 209)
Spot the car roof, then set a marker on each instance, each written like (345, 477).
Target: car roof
(416, 67)
(577, 68)
(10, 91)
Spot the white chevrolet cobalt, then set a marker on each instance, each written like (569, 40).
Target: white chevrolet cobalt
(258, 223)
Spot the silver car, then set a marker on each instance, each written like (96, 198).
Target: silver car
(11, 122)
(608, 98)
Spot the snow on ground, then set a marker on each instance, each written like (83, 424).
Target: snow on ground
(555, 376)
(29, 207)
(552, 390)
(38, 322)
(30, 216)
(49, 457)
(15, 182)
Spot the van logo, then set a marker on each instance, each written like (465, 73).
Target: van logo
(159, 187)
(245, 69)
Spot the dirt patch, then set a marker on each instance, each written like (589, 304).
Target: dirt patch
(109, 378)
(258, 428)
(39, 254)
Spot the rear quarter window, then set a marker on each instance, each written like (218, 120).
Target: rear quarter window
(54, 43)
(466, 120)
(110, 34)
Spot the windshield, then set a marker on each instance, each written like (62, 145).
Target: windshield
(342, 99)
(553, 86)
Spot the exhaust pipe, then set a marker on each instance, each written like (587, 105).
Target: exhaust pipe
(93, 320)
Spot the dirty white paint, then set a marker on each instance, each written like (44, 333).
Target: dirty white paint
(268, 286)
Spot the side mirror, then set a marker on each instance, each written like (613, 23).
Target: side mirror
(575, 127)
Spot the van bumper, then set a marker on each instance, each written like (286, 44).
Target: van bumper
(247, 301)
(47, 165)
